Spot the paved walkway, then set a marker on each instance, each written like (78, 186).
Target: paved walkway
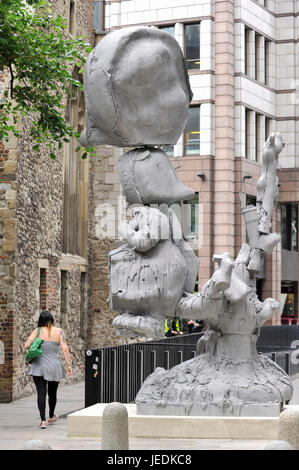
(19, 423)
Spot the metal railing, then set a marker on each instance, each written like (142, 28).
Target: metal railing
(277, 338)
(116, 373)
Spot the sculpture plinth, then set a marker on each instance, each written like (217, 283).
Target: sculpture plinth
(132, 101)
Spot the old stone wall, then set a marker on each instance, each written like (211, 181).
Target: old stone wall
(38, 230)
(33, 267)
(105, 208)
(40, 266)
(8, 186)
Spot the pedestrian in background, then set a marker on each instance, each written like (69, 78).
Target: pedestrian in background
(47, 370)
(173, 327)
(195, 326)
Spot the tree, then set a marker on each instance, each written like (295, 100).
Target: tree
(39, 55)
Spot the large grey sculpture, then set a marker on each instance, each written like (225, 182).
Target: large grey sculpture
(136, 89)
(137, 94)
(228, 376)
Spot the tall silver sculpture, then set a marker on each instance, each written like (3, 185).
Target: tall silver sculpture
(228, 376)
(137, 94)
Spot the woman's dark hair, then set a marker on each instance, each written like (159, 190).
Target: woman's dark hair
(45, 318)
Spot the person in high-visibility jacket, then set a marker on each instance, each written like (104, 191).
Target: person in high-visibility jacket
(173, 326)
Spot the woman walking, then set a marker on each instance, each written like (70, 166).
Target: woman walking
(47, 370)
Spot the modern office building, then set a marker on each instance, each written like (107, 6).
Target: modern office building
(243, 71)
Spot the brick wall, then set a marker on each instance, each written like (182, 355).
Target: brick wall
(104, 189)
(8, 188)
(31, 209)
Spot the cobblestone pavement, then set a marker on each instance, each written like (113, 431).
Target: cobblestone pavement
(19, 423)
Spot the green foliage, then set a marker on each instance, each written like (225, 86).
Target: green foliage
(35, 47)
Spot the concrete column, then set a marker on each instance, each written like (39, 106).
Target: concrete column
(250, 135)
(271, 5)
(271, 64)
(240, 143)
(250, 52)
(271, 126)
(276, 263)
(239, 48)
(206, 129)
(224, 163)
(178, 150)
(179, 34)
(272, 283)
(107, 15)
(260, 58)
(260, 135)
(115, 14)
(206, 45)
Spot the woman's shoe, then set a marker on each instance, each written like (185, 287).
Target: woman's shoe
(52, 420)
(43, 425)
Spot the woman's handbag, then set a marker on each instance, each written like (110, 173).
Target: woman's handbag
(35, 349)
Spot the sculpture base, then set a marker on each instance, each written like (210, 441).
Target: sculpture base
(88, 423)
(247, 410)
(210, 386)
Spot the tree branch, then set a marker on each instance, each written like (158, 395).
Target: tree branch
(12, 77)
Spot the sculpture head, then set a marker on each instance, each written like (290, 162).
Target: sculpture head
(137, 90)
(148, 177)
(275, 142)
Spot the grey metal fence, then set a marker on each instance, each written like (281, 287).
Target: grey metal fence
(116, 373)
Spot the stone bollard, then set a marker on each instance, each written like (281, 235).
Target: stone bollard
(278, 445)
(36, 445)
(115, 433)
(289, 426)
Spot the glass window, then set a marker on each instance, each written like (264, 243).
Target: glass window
(192, 131)
(190, 218)
(294, 227)
(75, 205)
(247, 132)
(284, 225)
(247, 51)
(268, 125)
(289, 226)
(168, 29)
(193, 45)
(289, 305)
(187, 214)
(288, 301)
(250, 200)
(96, 16)
(168, 149)
(267, 60)
(256, 64)
(72, 17)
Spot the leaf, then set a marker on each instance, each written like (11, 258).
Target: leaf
(34, 44)
(52, 156)
(84, 156)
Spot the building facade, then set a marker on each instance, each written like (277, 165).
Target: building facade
(59, 218)
(241, 58)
